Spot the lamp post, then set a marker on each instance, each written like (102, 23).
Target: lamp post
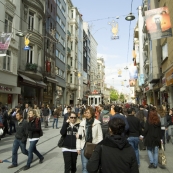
(130, 17)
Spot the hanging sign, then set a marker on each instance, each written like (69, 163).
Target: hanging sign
(5, 39)
(158, 23)
(114, 30)
(27, 41)
(119, 73)
(133, 72)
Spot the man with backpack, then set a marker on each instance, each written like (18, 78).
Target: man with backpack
(104, 118)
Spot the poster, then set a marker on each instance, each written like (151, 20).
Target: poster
(132, 82)
(133, 72)
(5, 39)
(158, 23)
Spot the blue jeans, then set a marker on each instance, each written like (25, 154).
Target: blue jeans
(16, 144)
(55, 120)
(32, 149)
(134, 142)
(153, 155)
(84, 162)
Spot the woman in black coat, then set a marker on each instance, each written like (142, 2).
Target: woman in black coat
(34, 133)
(114, 154)
(69, 131)
(152, 135)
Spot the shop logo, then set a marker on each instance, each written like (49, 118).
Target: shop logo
(114, 30)
(27, 41)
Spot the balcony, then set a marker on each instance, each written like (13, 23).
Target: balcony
(74, 21)
(153, 78)
(31, 67)
(146, 63)
(136, 33)
(32, 71)
(73, 87)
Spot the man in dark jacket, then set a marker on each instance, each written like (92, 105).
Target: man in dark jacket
(25, 111)
(118, 115)
(5, 120)
(114, 152)
(45, 114)
(104, 119)
(67, 114)
(20, 138)
(134, 132)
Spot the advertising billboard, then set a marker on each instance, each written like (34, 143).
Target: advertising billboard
(158, 23)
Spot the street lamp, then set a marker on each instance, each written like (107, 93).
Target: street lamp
(20, 33)
(130, 17)
(126, 68)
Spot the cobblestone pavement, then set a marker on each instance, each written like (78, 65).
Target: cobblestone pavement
(54, 163)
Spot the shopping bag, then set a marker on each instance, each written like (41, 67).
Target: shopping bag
(162, 157)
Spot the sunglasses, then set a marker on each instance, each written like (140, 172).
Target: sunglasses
(73, 117)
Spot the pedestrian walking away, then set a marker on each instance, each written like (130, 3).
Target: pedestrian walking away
(20, 138)
(34, 133)
(69, 131)
(114, 154)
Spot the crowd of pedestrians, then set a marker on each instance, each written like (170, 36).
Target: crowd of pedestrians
(116, 132)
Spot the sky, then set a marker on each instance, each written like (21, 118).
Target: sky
(114, 52)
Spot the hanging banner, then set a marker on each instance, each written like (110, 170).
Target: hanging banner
(5, 39)
(119, 73)
(158, 23)
(133, 72)
(114, 30)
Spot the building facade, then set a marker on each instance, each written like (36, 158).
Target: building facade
(9, 89)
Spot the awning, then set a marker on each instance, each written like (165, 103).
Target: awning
(51, 80)
(41, 84)
(27, 79)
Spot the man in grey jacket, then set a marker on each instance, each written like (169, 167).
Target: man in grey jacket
(104, 118)
(20, 138)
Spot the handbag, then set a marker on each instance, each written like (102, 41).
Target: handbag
(61, 142)
(162, 157)
(1, 131)
(88, 150)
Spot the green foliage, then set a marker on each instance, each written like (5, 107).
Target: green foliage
(121, 97)
(31, 67)
(114, 95)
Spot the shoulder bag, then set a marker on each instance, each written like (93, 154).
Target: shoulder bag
(88, 149)
(61, 142)
(162, 157)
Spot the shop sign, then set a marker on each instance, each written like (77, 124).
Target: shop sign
(95, 92)
(149, 87)
(169, 77)
(4, 88)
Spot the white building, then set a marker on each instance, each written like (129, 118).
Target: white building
(74, 54)
(9, 23)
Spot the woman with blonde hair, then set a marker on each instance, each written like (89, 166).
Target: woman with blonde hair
(34, 133)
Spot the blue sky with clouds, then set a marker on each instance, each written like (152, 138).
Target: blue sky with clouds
(113, 51)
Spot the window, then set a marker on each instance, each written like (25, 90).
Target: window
(47, 44)
(48, 3)
(31, 21)
(72, 29)
(57, 36)
(58, 19)
(8, 23)
(30, 55)
(62, 58)
(71, 61)
(62, 42)
(72, 14)
(57, 53)
(71, 78)
(51, 26)
(7, 61)
(63, 10)
(59, 3)
(39, 24)
(63, 26)
(164, 51)
(51, 8)
(71, 45)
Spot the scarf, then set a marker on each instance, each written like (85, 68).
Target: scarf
(89, 123)
(31, 119)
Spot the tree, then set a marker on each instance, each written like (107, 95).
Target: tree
(121, 97)
(114, 95)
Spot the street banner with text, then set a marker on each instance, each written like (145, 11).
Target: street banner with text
(158, 23)
(5, 39)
